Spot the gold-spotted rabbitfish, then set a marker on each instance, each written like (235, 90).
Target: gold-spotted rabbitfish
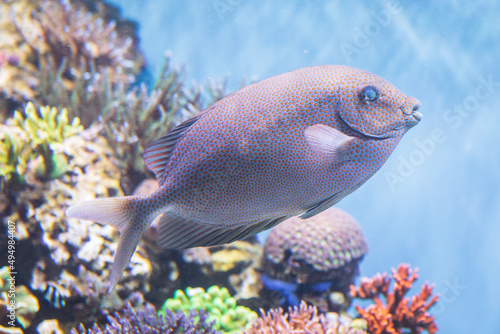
(293, 144)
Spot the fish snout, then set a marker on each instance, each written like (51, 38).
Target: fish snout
(410, 111)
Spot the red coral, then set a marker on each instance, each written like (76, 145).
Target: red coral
(398, 312)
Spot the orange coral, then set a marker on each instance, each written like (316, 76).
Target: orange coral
(398, 312)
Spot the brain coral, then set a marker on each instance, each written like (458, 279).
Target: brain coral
(314, 260)
(324, 243)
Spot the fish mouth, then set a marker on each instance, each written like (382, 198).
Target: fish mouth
(413, 119)
(418, 116)
(412, 116)
(363, 134)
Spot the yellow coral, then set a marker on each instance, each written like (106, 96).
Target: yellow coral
(28, 138)
(46, 125)
(228, 259)
(26, 305)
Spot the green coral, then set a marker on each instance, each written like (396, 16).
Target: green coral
(26, 305)
(217, 302)
(28, 138)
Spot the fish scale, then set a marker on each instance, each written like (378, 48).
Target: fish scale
(294, 144)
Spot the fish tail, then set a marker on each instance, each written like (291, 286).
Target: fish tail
(123, 213)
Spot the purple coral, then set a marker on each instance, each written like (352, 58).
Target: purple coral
(147, 322)
(326, 242)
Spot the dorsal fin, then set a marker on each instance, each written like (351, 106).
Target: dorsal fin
(158, 153)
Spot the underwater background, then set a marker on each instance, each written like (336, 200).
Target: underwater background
(434, 204)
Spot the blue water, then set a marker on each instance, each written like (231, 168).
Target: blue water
(435, 204)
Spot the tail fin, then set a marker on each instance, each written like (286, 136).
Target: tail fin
(119, 212)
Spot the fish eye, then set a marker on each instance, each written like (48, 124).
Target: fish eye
(369, 94)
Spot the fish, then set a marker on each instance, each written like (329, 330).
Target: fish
(293, 144)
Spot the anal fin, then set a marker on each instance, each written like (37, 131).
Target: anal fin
(175, 231)
(322, 205)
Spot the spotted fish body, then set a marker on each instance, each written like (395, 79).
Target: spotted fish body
(294, 144)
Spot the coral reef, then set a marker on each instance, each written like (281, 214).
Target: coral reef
(147, 322)
(80, 58)
(66, 262)
(315, 260)
(132, 119)
(27, 141)
(60, 53)
(58, 42)
(303, 319)
(80, 249)
(398, 312)
(17, 303)
(217, 302)
(235, 265)
(69, 33)
(45, 169)
(72, 56)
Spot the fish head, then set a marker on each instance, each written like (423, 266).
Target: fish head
(376, 108)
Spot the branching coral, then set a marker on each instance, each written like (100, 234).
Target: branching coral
(60, 54)
(147, 322)
(63, 41)
(133, 119)
(70, 33)
(217, 302)
(398, 312)
(303, 319)
(28, 139)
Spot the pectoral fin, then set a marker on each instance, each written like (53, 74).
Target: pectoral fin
(327, 141)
